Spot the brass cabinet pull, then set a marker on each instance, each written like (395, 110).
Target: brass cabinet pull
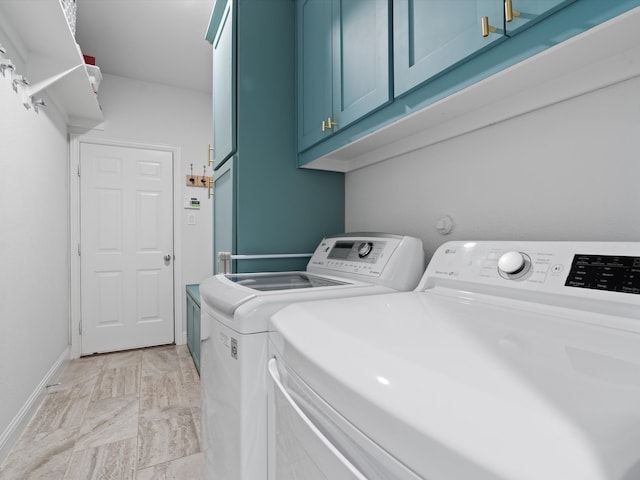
(509, 12)
(210, 156)
(486, 28)
(328, 124)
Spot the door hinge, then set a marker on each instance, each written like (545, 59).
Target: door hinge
(79, 328)
(78, 249)
(78, 170)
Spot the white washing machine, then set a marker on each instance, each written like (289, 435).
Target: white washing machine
(510, 361)
(235, 315)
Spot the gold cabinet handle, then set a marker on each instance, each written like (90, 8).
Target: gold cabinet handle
(509, 12)
(210, 156)
(328, 124)
(486, 28)
(210, 187)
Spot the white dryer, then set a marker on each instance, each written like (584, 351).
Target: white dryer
(235, 315)
(510, 361)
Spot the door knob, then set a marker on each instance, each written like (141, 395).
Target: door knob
(167, 258)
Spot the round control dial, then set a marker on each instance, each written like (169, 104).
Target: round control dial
(364, 249)
(513, 264)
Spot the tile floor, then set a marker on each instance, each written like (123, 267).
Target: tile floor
(131, 415)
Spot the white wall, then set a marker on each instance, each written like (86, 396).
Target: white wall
(34, 221)
(34, 272)
(566, 172)
(149, 113)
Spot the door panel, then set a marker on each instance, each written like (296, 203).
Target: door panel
(125, 233)
(433, 35)
(224, 88)
(360, 58)
(224, 211)
(526, 12)
(314, 70)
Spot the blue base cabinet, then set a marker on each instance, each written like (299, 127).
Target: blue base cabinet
(193, 323)
(263, 203)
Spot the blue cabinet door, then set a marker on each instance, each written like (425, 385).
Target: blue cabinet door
(224, 87)
(361, 45)
(520, 14)
(343, 64)
(430, 36)
(314, 50)
(224, 214)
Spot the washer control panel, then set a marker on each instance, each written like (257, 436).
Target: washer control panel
(549, 266)
(392, 260)
(364, 256)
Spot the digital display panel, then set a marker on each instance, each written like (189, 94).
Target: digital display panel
(341, 250)
(613, 273)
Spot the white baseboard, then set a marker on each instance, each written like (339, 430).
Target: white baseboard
(13, 431)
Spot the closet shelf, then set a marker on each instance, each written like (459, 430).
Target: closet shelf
(54, 62)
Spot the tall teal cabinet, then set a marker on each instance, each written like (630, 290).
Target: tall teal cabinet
(224, 86)
(263, 204)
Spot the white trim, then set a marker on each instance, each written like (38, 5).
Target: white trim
(15, 428)
(74, 236)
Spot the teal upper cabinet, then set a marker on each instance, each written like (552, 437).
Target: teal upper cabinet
(343, 64)
(429, 36)
(444, 67)
(523, 13)
(314, 69)
(222, 36)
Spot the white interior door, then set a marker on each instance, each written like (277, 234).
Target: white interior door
(126, 245)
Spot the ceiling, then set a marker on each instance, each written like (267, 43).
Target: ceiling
(159, 41)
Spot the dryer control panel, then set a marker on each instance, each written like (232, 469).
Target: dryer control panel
(614, 273)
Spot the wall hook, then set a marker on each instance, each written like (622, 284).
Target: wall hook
(6, 64)
(39, 103)
(19, 80)
(203, 180)
(192, 179)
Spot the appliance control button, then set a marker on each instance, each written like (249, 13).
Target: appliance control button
(364, 249)
(512, 263)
